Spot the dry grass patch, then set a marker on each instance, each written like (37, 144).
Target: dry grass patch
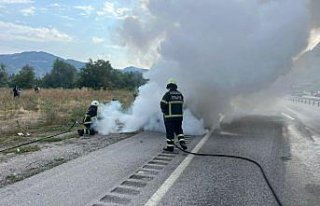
(49, 111)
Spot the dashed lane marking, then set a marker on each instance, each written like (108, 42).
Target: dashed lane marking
(125, 191)
(158, 163)
(287, 116)
(123, 194)
(154, 167)
(141, 177)
(150, 172)
(228, 133)
(115, 199)
(291, 110)
(158, 195)
(162, 159)
(134, 184)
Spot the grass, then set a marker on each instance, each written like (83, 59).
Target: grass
(53, 139)
(48, 112)
(21, 150)
(13, 178)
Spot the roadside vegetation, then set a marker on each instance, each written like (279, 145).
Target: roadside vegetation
(96, 75)
(64, 96)
(48, 111)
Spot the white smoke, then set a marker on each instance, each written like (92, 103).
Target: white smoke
(108, 118)
(144, 114)
(217, 50)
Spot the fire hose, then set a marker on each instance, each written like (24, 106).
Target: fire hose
(40, 139)
(241, 158)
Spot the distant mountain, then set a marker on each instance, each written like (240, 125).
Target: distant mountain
(134, 69)
(41, 61)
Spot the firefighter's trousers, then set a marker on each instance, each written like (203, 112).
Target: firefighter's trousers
(88, 129)
(173, 128)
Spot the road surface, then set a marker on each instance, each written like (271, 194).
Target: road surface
(135, 171)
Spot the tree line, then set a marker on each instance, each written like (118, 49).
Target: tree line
(95, 74)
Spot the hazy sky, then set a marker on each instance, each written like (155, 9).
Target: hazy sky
(78, 29)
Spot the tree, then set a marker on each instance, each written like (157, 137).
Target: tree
(96, 75)
(62, 75)
(100, 74)
(133, 80)
(25, 78)
(3, 76)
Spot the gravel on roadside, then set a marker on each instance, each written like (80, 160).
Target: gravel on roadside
(17, 166)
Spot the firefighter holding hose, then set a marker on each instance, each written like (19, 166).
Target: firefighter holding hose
(172, 109)
(89, 118)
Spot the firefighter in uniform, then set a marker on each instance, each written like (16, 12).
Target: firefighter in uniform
(172, 109)
(89, 118)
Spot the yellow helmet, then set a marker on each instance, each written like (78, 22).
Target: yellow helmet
(171, 82)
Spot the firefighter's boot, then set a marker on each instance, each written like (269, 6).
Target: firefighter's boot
(92, 132)
(170, 145)
(80, 132)
(168, 149)
(183, 145)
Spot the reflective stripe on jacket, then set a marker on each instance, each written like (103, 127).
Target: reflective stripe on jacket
(172, 105)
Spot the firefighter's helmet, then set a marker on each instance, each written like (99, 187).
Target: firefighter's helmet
(171, 83)
(95, 103)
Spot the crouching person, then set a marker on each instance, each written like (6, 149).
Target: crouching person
(89, 118)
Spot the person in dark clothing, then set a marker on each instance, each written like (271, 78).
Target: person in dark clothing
(16, 91)
(172, 109)
(89, 118)
(135, 93)
(36, 89)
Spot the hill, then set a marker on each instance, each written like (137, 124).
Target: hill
(41, 61)
(134, 69)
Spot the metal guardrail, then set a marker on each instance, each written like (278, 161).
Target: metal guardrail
(310, 100)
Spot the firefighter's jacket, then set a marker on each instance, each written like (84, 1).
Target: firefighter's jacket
(172, 105)
(91, 115)
(16, 91)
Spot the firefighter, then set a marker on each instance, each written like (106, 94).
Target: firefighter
(36, 89)
(89, 119)
(172, 109)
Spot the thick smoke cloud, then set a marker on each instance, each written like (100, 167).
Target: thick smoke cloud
(315, 14)
(217, 50)
(144, 114)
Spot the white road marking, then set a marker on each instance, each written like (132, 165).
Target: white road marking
(291, 110)
(229, 133)
(158, 195)
(287, 116)
(221, 117)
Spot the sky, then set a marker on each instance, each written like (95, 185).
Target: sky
(73, 29)
(79, 29)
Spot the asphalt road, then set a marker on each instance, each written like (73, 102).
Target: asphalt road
(136, 171)
(85, 179)
(226, 181)
(303, 164)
